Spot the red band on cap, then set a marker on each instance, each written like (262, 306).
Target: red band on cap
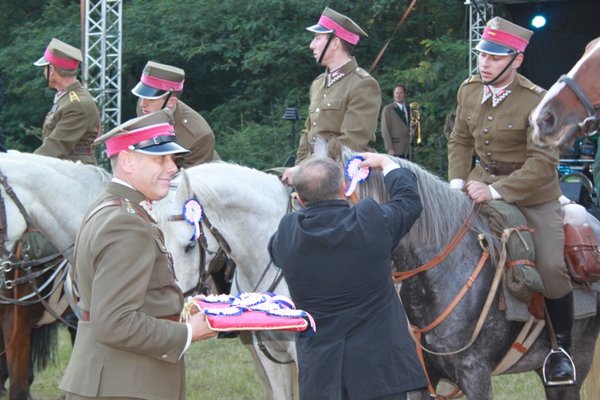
(161, 84)
(504, 38)
(340, 32)
(120, 143)
(59, 62)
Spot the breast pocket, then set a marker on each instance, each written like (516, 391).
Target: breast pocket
(471, 118)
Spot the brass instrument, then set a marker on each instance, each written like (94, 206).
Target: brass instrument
(415, 119)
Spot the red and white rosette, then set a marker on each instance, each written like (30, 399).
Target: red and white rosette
(355, 174)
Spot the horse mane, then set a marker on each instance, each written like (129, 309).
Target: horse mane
(444, 209)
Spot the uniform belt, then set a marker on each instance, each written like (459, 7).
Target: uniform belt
(82, 151)
(497, 168)
(85, 316)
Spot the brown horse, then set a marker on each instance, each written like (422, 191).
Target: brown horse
(570, 108)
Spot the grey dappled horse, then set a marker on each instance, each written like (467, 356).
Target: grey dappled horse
(245, 205)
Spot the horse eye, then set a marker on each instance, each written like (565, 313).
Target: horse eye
(190, 246)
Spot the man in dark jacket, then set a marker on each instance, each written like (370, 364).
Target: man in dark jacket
(336, 260)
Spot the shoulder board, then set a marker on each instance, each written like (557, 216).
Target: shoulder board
(362, 73)
(472, 79)
(535, 88)
(527, 84)
(127, 206)
(73, 97)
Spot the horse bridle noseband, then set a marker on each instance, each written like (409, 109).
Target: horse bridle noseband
(592, 122)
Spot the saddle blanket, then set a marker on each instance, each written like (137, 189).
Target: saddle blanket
(585, 301)
(250, 312)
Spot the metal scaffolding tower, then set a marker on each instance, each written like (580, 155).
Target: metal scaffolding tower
(102, 32)
(479, 13)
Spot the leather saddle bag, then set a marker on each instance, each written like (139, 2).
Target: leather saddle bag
(581, 253)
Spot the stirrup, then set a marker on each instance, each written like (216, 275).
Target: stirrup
(567, 382)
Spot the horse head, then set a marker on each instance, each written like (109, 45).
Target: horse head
(570, 108)
(241, 208)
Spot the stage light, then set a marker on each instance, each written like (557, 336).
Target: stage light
(538, 21)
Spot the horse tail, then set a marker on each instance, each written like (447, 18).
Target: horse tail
(44, 345)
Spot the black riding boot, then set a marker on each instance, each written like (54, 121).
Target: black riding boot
(558, 366)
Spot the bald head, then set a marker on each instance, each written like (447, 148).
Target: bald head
(319, 179)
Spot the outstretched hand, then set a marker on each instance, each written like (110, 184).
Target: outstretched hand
(375, 160)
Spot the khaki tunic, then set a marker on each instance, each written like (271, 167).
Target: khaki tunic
(348, 109)
(71, 126)
(126, 281)
(395, 132)
(502, 135)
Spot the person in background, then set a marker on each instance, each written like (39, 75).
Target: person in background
(345, 99)
(161, 87)
(396, 130)
(130, 343)
(73, 122)
(336, 260)
(492, 119)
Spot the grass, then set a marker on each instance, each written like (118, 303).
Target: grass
(223, 369)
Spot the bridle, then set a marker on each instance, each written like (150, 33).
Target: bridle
(592, 122)
(17, 268)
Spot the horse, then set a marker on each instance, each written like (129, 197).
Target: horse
(54, 196)
(570, 108)
(244, 206)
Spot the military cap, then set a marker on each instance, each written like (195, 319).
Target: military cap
(341, 26)
(159, 79)
(501, 37)
(61, 55)
(152, 134)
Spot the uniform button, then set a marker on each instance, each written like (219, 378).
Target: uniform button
(317, 110)
(488, 154)
(486, 130)
(468, 117)
(486, 141)
(490, 118)
(164, 356)
(509, 126)
(328, 104)
(314, 124)
(185, 121)
(492, 175)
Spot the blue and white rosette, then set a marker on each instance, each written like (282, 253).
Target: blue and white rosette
(192, 213)
(355, 174)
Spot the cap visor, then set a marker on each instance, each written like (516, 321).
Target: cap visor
(319, 29)
(163, 149)
(494, 49)
(42, 62)
(147, 92)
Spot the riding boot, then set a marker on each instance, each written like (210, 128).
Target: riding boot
(558, 366)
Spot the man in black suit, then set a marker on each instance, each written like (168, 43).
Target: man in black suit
(336, 260)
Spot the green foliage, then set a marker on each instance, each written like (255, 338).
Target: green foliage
(245, 62)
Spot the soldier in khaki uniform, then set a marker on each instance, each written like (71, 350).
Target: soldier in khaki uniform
(161, 86)
(130, 342)
(73, 121)
(492, 118)
(396, 130)
(345, 99)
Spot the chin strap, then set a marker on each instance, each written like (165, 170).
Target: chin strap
(514, 57)
(326, 47)
(167, 99)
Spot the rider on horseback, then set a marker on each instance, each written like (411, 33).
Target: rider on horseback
(492, 120)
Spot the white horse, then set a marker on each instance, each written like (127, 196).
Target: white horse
(246, 214)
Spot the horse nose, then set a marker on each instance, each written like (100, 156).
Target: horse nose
(546, 122)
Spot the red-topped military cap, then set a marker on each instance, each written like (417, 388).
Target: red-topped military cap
(501, 37)
(152, 134)
(61, 55)
(341, 26)
(159, 79)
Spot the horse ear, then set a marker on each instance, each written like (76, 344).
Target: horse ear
(334, 149)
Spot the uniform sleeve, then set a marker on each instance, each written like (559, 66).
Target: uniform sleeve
(202, 150)
(460, 145)
(125, 272)
(404, 206)
(360, 120)
(71, 127)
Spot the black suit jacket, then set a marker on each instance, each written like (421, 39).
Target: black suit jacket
(337, 263)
